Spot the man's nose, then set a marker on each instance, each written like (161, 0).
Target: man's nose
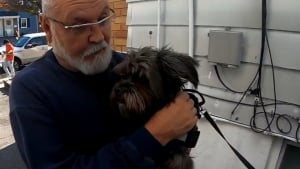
(97, 33)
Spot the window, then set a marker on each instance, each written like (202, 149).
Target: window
(38, 41)
(289, 156)
(24, 23)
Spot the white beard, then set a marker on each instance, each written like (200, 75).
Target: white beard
(98, 64)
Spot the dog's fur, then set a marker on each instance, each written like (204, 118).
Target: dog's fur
(151, 79)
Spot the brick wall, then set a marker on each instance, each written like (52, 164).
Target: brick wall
(119, 27)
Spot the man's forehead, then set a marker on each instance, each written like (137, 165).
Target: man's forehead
(80, 8)
(80, 2)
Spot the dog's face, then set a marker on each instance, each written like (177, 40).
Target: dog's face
(150, 79)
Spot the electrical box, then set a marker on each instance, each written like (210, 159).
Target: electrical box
(225, 47)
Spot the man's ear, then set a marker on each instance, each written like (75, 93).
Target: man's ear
(45, 24)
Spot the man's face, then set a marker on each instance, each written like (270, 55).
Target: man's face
(84, 48)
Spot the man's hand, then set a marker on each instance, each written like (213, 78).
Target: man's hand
(174, 120)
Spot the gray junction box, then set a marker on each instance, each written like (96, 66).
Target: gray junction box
(225, 47)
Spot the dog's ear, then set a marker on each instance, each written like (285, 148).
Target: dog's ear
(122, 68)
(178, 65)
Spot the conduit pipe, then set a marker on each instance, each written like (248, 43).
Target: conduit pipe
(191, 32)
(158, 23)
(243, 125)
(191, 27)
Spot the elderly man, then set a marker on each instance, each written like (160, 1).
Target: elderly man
(59, 105)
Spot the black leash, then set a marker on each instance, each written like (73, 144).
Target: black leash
(202, 111)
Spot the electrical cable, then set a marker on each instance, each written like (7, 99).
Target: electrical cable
(258, 87)
(254, 114)
(251, 105)
(218, 75)
(273, 73)
(253, 122)
(232, 112)
(283, 116)
(280, 116)
(297, 136)
(275, 98)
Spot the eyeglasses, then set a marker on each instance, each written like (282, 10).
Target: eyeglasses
(82, 27)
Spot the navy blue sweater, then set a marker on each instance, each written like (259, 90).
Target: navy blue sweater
(63, 120)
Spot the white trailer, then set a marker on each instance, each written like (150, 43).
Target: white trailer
(227, 38)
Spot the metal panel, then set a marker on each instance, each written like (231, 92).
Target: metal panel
(177, 38)
(282, 44)
(173, 36)
(221, 104)
(287, 85)
(173, 12)
(235, 13)
(212, 152)
(282, 15)
(139, 36)
(240, 78)
(237, 79)
(142, 13)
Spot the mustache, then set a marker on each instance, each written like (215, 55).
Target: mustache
(94, 49)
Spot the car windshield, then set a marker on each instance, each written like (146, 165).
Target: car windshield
(21, 42)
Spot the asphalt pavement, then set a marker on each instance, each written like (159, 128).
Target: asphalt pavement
(9, 155)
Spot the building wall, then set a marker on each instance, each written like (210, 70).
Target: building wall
(16, 18)
(119, 27)
(186, 28)
(32, 23)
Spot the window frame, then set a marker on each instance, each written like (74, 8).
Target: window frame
(25, 21)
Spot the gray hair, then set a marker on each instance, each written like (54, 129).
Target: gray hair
(46, 5)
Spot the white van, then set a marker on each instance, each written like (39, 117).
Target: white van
(28, 48)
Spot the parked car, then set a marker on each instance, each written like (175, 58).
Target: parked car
(28, 48)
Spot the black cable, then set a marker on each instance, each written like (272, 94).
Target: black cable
(273, 74)
(283, 116)
(218, 75)
(232, 112)
(253, 123)
(251, 105)
(254, 113)
(297, 136)
(255, 106)
(274, 88)
(256, 129)
(263, 38)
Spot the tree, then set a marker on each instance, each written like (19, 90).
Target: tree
(31, 6)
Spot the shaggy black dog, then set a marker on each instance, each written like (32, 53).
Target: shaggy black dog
(151, 79)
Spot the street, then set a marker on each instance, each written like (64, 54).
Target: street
(9, 155)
